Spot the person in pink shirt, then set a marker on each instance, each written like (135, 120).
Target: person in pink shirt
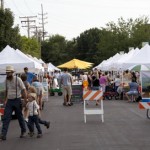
(103, 82)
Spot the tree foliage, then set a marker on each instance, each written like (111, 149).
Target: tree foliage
(54, 49)
(116, 37)
(9, 35)
(87, 45)
(30, 46)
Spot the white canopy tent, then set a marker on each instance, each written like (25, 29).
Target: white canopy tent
(38, 66)
(141, 58)
(100, 65)
(9, 56)
(112, 65)
(109, 63)
(124, 61)
(41, 61)
(52, 68)
(119, 62)
(38, 61)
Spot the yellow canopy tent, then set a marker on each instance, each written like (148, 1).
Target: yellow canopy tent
(76, 63)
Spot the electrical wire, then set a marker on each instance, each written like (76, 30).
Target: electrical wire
(28, 7)
(15, 14)
(14, 3)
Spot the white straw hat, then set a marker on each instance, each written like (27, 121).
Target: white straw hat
(33, 95)
(9, 69)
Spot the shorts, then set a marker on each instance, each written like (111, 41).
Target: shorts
(39, 91)
(67, 90)
(103, 87)
(132, 93)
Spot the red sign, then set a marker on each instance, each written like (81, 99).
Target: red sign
(1, 111)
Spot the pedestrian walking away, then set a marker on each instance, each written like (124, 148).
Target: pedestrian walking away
(66, 81)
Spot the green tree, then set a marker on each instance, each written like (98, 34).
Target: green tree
(71, 50)
(140, 32)
(9, 35)
(87, 45)
(95, 45)
(53, 49)
(119, 37)
(30, 46)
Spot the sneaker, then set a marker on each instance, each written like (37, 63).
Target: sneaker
(2, 137)
(65, 104)
(39, 135)
(26, 120)
(69, 104)
(23, 135)
(31, 134)
(47, 125)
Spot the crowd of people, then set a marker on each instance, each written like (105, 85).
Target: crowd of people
(24, 93)
(124, 83)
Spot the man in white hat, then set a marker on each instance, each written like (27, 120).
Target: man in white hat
(14, 86)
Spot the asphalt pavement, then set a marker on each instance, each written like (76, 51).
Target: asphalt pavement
(125, 127)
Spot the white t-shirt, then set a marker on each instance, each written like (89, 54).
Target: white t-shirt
(84, 77)
(32, 108)
(117, 81)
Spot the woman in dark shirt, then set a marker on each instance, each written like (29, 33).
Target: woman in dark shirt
(95, 82)
(96, 85)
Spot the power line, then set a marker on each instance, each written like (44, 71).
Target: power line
(17, 7)
(28, 7)
(38, 35)
(37, 32)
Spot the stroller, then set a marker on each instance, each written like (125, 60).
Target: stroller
(110, 93)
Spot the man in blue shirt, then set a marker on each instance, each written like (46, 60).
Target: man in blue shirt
(30, 75)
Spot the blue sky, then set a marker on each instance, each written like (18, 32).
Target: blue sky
(71, 17)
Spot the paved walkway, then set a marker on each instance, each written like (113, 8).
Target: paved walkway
(125, 128)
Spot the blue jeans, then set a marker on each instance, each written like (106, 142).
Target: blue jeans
(34, 120)
(43, 122)
(13, 105)
(96, 88)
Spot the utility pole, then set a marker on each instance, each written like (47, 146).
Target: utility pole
(37, 32)
(2, 4)
(28, 21)
(43, 22)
